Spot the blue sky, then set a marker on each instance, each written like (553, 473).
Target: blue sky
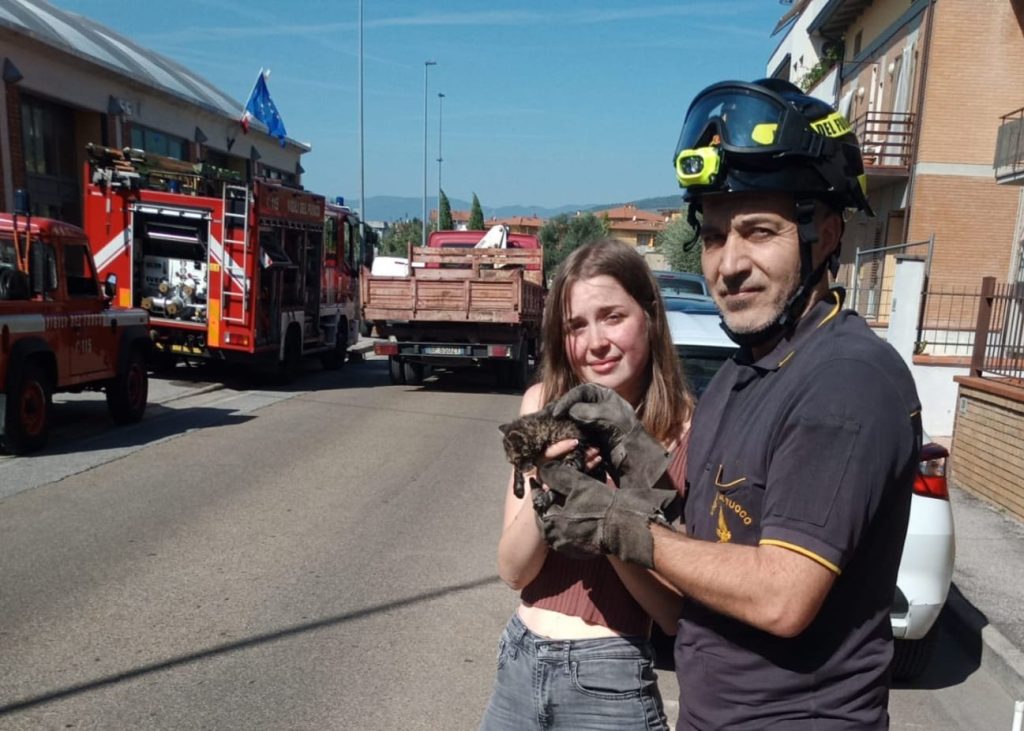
(547, 103)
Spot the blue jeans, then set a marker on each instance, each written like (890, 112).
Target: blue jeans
(573, 685)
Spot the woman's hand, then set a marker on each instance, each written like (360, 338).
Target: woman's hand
(560, 449)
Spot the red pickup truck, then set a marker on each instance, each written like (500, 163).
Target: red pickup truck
(58, 331)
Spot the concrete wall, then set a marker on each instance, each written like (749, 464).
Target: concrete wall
(936, 387)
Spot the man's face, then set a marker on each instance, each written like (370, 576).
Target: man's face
(751, 256)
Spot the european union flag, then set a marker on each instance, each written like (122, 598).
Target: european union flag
(260, 106)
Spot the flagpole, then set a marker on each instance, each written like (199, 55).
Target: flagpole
(426, 67)
(362, 187)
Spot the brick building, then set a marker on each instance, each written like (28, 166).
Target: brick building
(926, 99)
(933, 89)
(68, 81)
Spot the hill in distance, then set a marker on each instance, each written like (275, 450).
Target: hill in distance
(397, 208)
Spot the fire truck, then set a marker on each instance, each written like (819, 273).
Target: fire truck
(248, 271)
(58, 331)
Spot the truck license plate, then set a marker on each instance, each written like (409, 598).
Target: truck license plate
(443, 350)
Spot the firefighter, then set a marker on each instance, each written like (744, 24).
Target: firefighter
(803, 447)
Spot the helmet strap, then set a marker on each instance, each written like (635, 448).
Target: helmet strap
(807, 235)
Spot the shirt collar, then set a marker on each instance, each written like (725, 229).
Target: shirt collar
(823, 312)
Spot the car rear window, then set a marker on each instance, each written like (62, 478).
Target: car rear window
(701, 364)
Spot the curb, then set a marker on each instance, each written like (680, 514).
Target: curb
(999, 656)
(188, 394)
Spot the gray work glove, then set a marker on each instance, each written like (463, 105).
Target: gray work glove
(587, 518)
(637, 458)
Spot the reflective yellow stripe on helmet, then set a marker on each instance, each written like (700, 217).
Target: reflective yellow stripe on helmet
(834, 125)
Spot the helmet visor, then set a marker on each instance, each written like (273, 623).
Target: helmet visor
(744, 119)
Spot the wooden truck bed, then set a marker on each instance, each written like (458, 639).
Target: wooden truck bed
(460, 285)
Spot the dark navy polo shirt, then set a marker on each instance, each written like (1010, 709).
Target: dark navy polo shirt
(812, 448)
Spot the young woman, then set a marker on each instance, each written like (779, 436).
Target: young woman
(576, 654)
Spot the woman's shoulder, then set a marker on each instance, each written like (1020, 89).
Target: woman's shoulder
(532, 399)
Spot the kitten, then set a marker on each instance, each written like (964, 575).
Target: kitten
(526, 439)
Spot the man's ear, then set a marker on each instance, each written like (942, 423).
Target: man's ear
(830, 232)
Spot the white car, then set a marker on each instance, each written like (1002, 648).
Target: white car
(674, 283)
(926, 568)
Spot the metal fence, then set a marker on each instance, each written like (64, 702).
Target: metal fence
(947, 321)
(998, 349)
(871, 280)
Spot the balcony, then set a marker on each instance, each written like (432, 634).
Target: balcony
(886, 142)
(1009, 162)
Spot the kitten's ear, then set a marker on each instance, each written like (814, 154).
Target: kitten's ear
(505, 428)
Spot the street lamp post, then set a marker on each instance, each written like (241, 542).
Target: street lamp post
(362, 179)
(440, 116)
(426, 68)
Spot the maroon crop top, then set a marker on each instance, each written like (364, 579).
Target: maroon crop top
(590, 589)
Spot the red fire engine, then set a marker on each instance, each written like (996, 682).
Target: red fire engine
(229, 269)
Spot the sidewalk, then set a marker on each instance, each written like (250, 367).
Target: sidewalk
(986, 600)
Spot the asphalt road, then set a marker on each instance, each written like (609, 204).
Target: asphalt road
(315, 557)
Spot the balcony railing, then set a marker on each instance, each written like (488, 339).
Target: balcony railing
(886, 140)
(1009, 162)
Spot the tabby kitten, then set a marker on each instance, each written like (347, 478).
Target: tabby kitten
(526, 439)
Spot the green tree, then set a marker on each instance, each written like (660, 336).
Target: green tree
(674, 243)
(562, 234)
(400, 236)
(476, 216)
(444, 213)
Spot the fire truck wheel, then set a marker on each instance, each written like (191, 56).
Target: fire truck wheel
(27, 416)
(128, 392)
(396, 371)
(413, 373)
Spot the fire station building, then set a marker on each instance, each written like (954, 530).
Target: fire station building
(68, 81)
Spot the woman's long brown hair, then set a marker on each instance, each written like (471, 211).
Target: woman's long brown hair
(668, 402)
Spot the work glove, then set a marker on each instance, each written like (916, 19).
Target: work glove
(584, 518)
(637, 459)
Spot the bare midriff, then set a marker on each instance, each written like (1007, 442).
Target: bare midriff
(558, 626)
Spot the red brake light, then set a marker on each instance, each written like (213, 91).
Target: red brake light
(930, 480)
(385, 348)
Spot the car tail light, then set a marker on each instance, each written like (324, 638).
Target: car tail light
(930, 480)
(498, 351)
(385, 348)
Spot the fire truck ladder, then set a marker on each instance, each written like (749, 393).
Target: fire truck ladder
(236, 254)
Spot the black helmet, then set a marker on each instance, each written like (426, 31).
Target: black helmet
(769, 136)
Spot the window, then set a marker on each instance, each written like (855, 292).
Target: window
(8, 256)
(160, 143)
(78, 274)
(49, 265)
(47, 135)
(47, 138)
(277, 174)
